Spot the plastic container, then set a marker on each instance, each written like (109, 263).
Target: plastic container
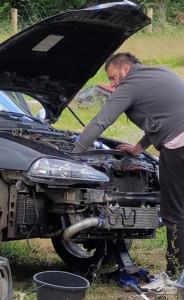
(59, 285)
(180, 286)
(6, 288)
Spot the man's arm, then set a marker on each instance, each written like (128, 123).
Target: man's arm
(114, 107)
(143, 144)
(131, 149)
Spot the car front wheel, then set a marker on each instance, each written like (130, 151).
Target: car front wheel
(82, 256)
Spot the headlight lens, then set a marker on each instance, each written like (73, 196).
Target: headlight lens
(60, 169)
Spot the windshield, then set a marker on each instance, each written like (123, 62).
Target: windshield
(8, 103)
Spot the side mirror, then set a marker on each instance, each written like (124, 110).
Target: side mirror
(41, 114)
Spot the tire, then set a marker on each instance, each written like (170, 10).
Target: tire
(81, 256)
(78, 255)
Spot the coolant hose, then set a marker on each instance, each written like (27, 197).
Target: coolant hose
(84, 224)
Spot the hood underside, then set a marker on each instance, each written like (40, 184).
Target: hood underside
(54, 58)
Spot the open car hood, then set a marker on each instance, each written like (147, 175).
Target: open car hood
(52, 60)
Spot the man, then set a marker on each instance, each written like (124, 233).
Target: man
(153, 99)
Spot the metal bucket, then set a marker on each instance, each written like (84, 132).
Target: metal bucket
(59, 285)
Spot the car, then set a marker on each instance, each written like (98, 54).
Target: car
(84, 202)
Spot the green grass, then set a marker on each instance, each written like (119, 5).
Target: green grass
(168, 62)
(150, 254)
(23, 251)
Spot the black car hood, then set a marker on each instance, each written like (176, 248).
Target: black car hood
(53, 59)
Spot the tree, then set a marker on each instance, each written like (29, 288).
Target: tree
(39, 9)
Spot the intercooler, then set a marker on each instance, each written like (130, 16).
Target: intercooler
(132, 217)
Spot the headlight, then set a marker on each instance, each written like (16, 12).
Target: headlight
(60, 169)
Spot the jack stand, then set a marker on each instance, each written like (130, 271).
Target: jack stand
(94, 268)
(127, 273)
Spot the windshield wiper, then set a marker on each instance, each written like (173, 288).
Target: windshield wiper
(9, 115)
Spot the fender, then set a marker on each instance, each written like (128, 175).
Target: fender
(19, 153)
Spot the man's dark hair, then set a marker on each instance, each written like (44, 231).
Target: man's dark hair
(122, 58)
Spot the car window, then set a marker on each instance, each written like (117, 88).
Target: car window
(7, 103)
(19, 103)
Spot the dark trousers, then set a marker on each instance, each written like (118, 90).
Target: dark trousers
(172, 205)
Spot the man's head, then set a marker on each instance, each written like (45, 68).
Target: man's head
(118, 66)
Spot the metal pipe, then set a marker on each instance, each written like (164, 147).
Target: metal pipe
(138, 291)
(84, 224)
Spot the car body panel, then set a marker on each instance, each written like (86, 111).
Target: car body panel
(21, 152)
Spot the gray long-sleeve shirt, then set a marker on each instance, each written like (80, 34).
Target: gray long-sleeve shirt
(152, 98)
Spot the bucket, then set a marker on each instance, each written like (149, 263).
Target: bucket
(6, 288)
(180, 286)
(59, 285)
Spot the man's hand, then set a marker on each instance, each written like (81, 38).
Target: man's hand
(131, 149)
